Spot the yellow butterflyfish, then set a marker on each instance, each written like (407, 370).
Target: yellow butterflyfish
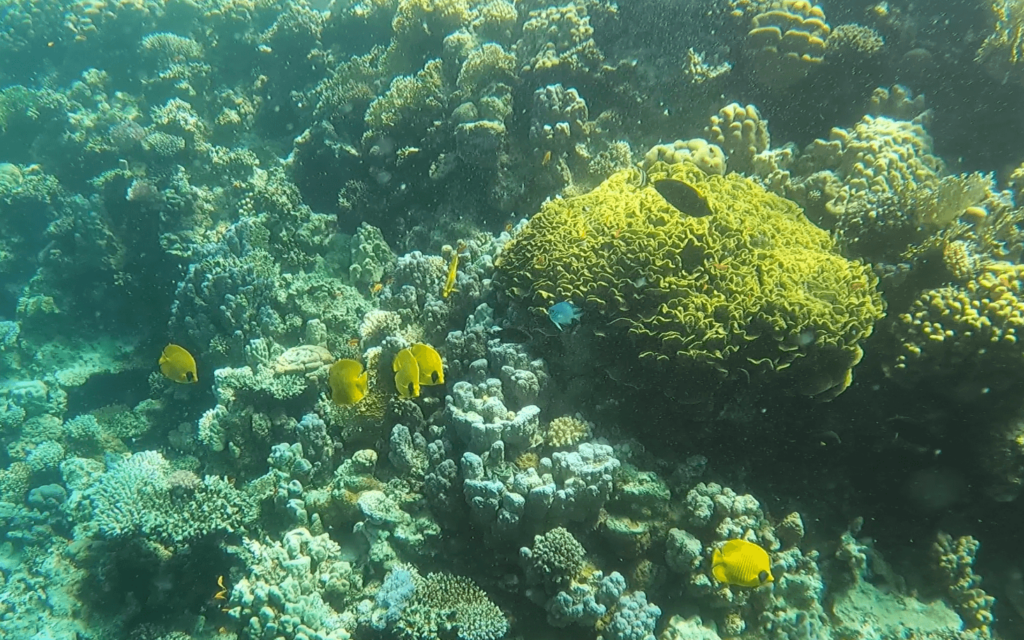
(430, 365)
(741, 563)
(347, 379)
(407, 374)
(178, 365)
(449, 282)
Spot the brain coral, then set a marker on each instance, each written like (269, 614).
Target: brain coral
(754, 291)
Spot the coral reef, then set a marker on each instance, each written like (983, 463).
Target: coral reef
(276, 185)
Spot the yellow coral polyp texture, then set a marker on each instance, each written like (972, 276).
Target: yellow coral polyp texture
(752, 292)
(976, 324)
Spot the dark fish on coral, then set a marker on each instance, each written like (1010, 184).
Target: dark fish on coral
(178, 365)
(513, 335)
(347, 379)
(683, 197)
(429, 362)
(407, 374)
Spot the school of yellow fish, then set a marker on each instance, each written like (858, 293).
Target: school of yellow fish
(415, 366)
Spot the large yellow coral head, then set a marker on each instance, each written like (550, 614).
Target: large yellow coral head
(753, 291)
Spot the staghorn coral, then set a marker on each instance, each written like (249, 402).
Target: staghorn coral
(701, 298)
(1002, 52)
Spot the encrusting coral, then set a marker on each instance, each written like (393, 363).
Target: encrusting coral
(752, 291)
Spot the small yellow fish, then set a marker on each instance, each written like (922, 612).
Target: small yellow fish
(429, 361)
(449, 283)
(407, 374)
(347, 379)
(547, 158)
(178, 365)
(741, 563)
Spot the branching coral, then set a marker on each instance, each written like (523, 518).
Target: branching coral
(741, 133)
(952, 330)
(416, 607)
(1002, 52)
(140, 497)
(955, 560)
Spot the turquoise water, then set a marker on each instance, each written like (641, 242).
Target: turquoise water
(277, 358)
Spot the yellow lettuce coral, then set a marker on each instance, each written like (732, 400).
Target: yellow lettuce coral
(754, 291)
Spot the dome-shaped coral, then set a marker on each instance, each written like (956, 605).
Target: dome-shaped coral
(753, 291)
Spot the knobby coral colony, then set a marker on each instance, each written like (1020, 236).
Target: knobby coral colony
(226, 180)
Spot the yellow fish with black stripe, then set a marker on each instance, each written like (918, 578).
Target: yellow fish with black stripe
(429, 362)
(741, 563)
(347, 379)
(407, 374)
(177, 364)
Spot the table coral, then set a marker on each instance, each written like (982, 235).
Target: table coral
(709, 299)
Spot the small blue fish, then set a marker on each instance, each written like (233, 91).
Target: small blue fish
(563, 313)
